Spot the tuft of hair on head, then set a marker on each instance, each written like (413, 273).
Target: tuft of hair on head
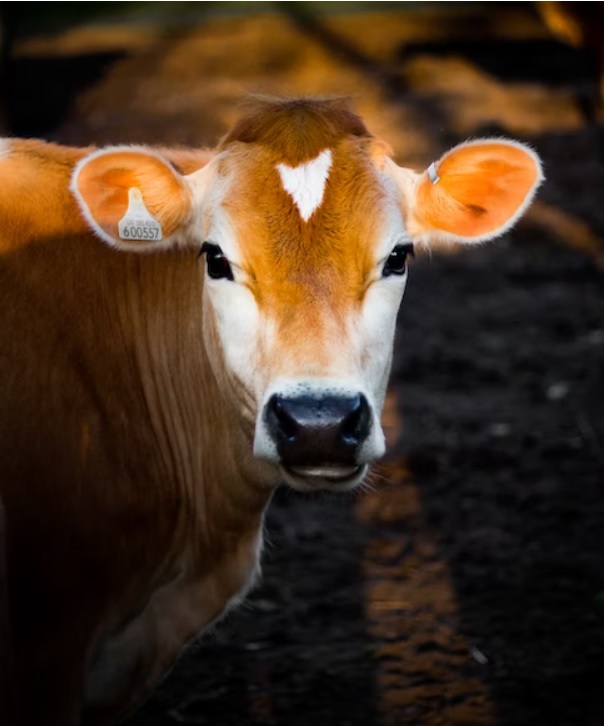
(296, 129)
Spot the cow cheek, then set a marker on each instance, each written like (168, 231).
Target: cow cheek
(231, 323)
(377, 326)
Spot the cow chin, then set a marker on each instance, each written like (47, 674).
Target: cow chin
(327, 477)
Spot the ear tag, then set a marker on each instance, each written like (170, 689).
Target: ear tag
(138, 223)
(432, 174)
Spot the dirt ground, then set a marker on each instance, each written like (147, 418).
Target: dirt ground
(466, 588)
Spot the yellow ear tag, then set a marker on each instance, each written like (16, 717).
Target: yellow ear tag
(138, 223)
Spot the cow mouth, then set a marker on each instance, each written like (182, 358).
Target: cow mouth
(325, 476)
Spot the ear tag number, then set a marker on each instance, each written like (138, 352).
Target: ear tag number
(138, 223)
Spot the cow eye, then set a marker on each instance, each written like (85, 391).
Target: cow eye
(396, 264)
(217, 264)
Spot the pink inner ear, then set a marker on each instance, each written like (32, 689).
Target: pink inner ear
(482, 188)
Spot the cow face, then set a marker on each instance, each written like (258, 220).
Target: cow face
(306, 267)
(306, 228)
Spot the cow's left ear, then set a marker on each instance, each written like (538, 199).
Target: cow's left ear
(475, 192)
(133, 198)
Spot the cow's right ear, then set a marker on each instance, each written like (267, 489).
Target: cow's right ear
(133, 198)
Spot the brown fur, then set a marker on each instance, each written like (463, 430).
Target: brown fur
(295, 130)
(107, 401)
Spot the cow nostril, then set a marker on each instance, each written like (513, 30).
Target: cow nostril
(285, 421)
(355, 426)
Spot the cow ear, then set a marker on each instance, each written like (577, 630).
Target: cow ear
(474, 193)
(133, 198)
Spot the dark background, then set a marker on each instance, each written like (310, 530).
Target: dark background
(466, 586)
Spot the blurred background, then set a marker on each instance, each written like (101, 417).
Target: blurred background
(466, 587)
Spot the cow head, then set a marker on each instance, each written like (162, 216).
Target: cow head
(306, 227)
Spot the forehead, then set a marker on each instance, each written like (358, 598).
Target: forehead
(304, 211)
(334, 203)
(337, 186)
(300, 165)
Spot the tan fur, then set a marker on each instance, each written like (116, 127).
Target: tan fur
(36, 202)
(295, 130)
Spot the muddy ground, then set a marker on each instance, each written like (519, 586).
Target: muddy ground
(467, 587)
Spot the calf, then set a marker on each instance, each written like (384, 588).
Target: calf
(181, 331)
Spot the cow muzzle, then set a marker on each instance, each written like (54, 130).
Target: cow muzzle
(319, 438)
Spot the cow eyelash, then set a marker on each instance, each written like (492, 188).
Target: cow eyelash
(396, 264)
(217, 264)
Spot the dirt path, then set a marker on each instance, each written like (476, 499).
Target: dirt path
(468, 588)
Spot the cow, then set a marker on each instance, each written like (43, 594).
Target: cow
(182, 331)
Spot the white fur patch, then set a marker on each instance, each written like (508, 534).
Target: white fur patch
(306, 183)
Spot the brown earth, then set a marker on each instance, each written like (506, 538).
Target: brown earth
(467, 587)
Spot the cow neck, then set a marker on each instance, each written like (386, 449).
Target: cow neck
(198, 437)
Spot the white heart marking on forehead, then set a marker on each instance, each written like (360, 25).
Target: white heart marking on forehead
(306, 183)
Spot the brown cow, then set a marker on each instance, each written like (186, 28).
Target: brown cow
(152, 401)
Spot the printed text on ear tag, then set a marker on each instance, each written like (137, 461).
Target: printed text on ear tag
(138, 223)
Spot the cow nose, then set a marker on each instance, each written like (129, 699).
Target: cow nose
(312, 430)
